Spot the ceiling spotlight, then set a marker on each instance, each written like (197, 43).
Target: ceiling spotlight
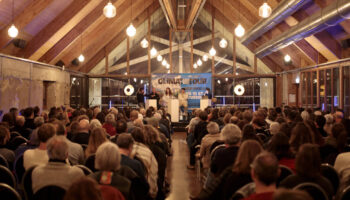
(223, 43)
(287, 58)
(205, 57)
(212, 51)
(109, 10)
(159, 57)
(265, 10)
(153, 52)
(199, 62)
(131, 31)
(13, 31)
(81, 58)
(164, 62)
(239, 30)
(144, 43)
(195, 66)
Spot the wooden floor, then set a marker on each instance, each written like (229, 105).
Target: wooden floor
(183, 182)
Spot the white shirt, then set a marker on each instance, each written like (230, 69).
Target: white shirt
(33, 157)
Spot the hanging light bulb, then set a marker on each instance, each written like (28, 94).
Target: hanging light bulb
(226, 79)
(195, 66)
(205, 57)
(131, 31)
(153, 52)
(159, 57)
(144, 43)
(212, 51)
(168, 66)
(287, 58)
(164, 62)
(265, 10)
(199, 62)
(223, 43)
(81, 58)
(219, 82)
(109, 10)
(13, 31)
(239, 30)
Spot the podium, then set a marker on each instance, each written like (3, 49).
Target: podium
(205, 103)
(151, 102)
(173, 109)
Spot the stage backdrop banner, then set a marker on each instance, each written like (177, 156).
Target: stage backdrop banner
(195, 85)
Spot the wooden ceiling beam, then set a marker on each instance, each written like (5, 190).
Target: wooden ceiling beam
(99, 36)
(24, 18)
(57, 29)
(95, 59)
(170, 12)
(195, 9)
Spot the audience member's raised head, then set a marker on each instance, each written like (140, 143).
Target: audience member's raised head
(308, 161)
(45, 132)
(4, 135)
(57, 148)
(338, 115)
(95, 124)
(234, 120)
(265, 169)
(38, 121)
(134, 115)
(138, 123)
(320, 121)
(227, 118)
(149, 113)
(8, 118)
(85, 188)
(249, 133)
(74, 127)
(279, 145)
(107, 157)
(288, 194)
(121, 126)
(305, 115)
(84, 126)
(329, 118)
(101, 117)
(274, 128)
(20, 121)
(28, 113)
(231, 134)
(125, 141)
(213, 128)
(300, 134)
(203, 116)
(246, 154)
(138, 135)
(151, 134)
(60, 128)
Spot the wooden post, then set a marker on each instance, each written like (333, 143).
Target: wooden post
(341, 87)
(306, 89)
(171, 50)
(127, 55)
(212, 44)
(318, 88)
(106, 61)
(255, 64)
(149, 46)
(234, 55)
(191, 32)
(311, 90)
(332, 91)
(325, 89)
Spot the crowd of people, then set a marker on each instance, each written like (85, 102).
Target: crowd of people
(238, 147)
(89, 153)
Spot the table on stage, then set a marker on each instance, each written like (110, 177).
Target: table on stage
(151, 102)
(204, 103)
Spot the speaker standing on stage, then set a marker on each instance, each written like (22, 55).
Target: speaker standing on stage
(183, 101)
(166, 97)
(154, 95)
(141, 97)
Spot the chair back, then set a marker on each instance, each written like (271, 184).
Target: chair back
(314, 190)
(8, 193)
(237, 196)
(331, 174)
(285, 172)
(7, 177)
(3, 162)
(90, 163)
(14, 134)
(244, 191)
(51, 192)
(27, 183)
(17, 141)
(345, 194)
(19, 168)
(86, 170)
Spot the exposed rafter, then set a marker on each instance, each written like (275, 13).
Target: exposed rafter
(169, 12)
(196, 7)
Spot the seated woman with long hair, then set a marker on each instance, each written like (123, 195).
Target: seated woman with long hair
(97, 137)
(279, 145)
(233, 178)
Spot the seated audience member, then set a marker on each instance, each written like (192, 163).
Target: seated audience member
(97, 137)
(207, 141)
(94, 123)
(154, 121)
(143, 153)
(109, 124)
(264, 173)
(225, 157)
(342, 164)
(285, 194)
(134, 115)
(320, 122)
(108, 163)
(121, 127)
(305, 115)
(329, 123)
(279, 146)
(214, 117)
(4, 151)
(272, 116)
(125, 143)
(75, 151)
(249, 133)
(338, 117)
(307, 166)
(274, 128)
(300, 135)
(336, 143)
(84, 188)
(82, 137)
(231, 179)
(73, 129)
(20, 128)
(29, 118)
(259, 123)
(194, 121)
(227, 118)
(37, 156)
(56, 172)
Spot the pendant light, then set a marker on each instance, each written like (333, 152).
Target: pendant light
(205, 57)
(199, 62)
(131, 30)
(164, 62)
(265, 10)
(239, 30)
(109, 10)
(144, 42)
(153, 51)
(13, 31)
(159, 58)
(223, 41)
(167, 65)
(287, 58)
(195, 66)
(81, 58)
(212, 51)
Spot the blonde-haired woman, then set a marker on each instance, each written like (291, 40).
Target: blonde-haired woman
(97, 137)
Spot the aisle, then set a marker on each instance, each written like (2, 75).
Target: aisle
(183, 181)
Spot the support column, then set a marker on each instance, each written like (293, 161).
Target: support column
(234, 55)
(191, 67)
(106, 61)
(180, 58)
(171, 50)
(127, 55)
(149, 46)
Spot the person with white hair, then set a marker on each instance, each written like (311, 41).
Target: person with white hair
(212, 136)
(95, 123)
(338, 117)
(107, 162)
(82, 137)
(329, 123)
(56, 172)
(134, 115)
(305, 115)
(109, 124)
(274, 128)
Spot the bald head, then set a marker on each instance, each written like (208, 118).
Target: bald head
(84, 126)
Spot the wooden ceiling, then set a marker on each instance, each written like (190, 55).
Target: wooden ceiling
(59, 30)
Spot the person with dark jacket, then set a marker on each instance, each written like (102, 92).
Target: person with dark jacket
(82, 137)
(140, 95)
